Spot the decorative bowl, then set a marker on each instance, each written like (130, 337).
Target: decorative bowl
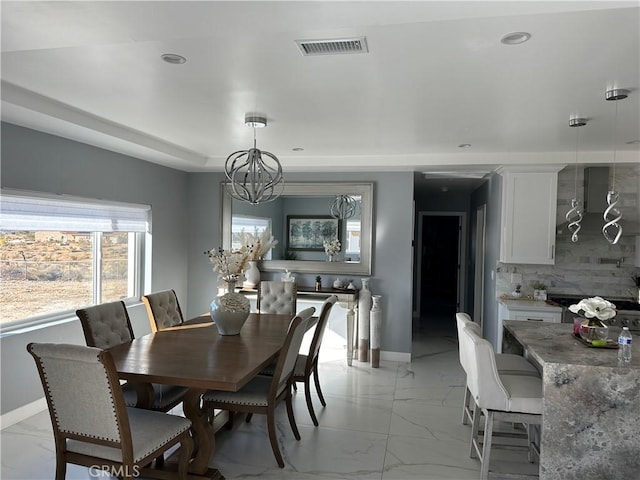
(593, 330)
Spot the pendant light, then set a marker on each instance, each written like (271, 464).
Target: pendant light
(343, 207)
(574, 216)
(612, 230)
(252, 178)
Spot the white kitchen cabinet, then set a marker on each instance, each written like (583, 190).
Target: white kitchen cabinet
(527, 311)
(529, 197)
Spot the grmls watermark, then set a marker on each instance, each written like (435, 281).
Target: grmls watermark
(108, 471)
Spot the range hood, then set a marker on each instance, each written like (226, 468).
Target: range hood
(596, 187)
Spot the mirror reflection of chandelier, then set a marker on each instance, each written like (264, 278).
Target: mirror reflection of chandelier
(343, 207)
(252, 178)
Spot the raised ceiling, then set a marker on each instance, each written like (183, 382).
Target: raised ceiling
(435, 76)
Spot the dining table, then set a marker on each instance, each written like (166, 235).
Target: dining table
(196, 356)
(590, 401)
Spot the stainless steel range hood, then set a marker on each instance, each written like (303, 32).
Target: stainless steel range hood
(596, 186)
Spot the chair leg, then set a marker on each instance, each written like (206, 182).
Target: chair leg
(475, 427)
(292, 419)
(61, 468)
(486, 445)
(271, 427)
(248, 419)
(317, 382)
(466, 411)
(307, 394)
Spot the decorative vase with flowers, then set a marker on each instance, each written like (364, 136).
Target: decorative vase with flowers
(592, 311)
(256, 247)
(230, 310)
(331, 248)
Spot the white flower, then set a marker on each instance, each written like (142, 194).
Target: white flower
(229, 265)
(256, 246)
(332, 247)
(596, 307)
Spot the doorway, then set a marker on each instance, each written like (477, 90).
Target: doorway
(440, 269)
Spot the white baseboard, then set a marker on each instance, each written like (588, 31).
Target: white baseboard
(22, 413)
(395, 356)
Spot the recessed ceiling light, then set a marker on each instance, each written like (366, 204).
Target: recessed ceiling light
(515, 38)
(464, 145)
(173, 58)
(297, 149)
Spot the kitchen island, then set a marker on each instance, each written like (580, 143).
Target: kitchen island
(591, 405)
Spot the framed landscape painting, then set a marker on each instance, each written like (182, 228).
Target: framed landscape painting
(308, 232)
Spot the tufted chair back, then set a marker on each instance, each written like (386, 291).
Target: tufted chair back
(163, 310)
(106, 325)
(277, 297)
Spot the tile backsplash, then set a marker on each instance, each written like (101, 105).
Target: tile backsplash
(591, 266)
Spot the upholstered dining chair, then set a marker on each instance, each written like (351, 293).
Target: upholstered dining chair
(92, 426)
(107, 325)
(307, 364)
(163, 309)
(507, 363)
(262, 394)
(508, 398)
(277, 297)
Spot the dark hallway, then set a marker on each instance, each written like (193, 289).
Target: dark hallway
(439, 272)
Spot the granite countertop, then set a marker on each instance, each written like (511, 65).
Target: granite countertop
(529, 304)
(553, 343)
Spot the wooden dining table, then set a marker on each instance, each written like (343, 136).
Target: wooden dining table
(195, 356)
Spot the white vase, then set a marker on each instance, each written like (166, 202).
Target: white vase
(252, 275)
(230, 311)
(364, 313)
(376, 330)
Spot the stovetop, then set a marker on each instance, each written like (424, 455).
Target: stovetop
(621, 305)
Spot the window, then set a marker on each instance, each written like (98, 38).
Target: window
(253, 225)
(60, 253)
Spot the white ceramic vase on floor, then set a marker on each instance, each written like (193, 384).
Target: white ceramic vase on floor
(364, 313)
(376, 330)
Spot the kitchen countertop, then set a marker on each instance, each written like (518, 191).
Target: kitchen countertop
(529, 304)
(591, 405)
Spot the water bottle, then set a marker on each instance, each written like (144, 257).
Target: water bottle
(624, 345)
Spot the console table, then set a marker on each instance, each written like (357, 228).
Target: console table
(347, 299)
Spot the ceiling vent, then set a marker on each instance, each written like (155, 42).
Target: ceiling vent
(333, 47)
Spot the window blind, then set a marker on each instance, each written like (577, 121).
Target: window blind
(64, 213)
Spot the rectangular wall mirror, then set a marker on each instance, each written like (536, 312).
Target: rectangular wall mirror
(300, 219)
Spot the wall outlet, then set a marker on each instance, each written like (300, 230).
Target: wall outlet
(516, 278)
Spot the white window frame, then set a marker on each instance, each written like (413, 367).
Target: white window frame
(139, 246)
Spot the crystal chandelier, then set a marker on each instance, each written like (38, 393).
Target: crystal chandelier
(343, 207)
(574, 216)
(612, 230)
(252, 178)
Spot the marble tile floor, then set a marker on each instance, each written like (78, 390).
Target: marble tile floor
(401, 421)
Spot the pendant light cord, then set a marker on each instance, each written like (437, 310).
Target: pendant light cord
(575, 177)
(615, 128)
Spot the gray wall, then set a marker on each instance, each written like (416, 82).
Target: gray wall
(39, 162)
(186, 222)
(490, 194)
(392, 255)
